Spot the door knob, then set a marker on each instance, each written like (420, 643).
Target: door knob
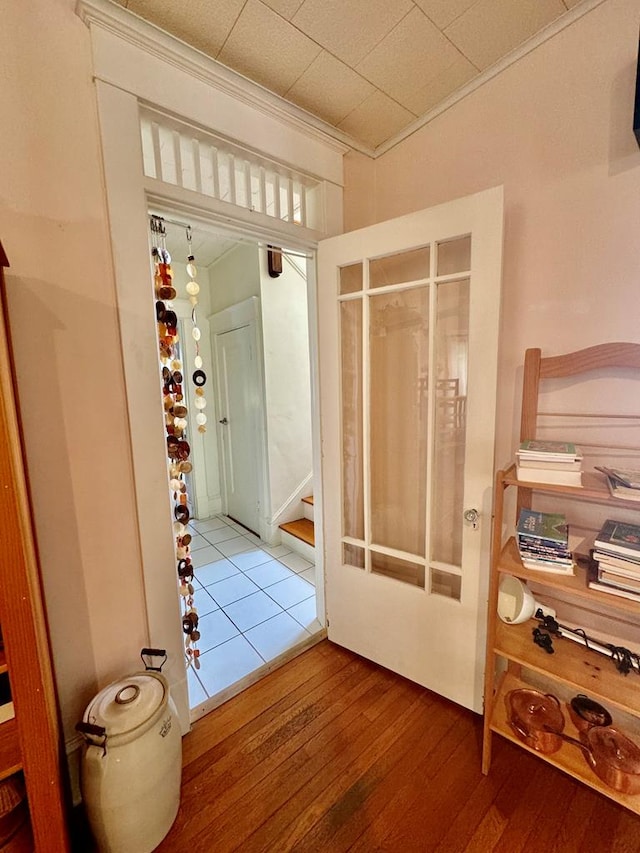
(473, 517)
(223, 421)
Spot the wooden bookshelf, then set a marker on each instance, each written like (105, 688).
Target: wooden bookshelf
(513, 659)
(30, 742)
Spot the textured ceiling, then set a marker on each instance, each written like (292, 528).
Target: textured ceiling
(368, 67)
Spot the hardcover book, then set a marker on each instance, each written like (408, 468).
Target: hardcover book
(548, 526)
(627, 477)
(619, 580)
(625, 493)
(594, 583)
(551, 477)
(620, 538)
(548, 449)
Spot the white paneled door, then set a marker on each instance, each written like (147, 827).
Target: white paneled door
(408, 342)
(238, 410)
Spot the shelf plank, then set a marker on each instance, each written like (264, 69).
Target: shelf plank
(3, 661)
(594, 489)
(569, 758)
(10, 757)
(585, 670)
(511, 564)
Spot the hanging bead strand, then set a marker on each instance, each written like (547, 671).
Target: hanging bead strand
(178, 449)
(199, 377)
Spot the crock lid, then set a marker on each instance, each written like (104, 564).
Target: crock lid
(126, 704)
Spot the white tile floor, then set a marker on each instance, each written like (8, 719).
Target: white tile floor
(254, 603)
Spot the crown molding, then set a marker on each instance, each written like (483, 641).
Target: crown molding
(548, 32)
(148, 37)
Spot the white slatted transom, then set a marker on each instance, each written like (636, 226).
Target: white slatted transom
(184, 156)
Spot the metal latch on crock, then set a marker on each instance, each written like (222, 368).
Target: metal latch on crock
(94, 731)
(153, 653)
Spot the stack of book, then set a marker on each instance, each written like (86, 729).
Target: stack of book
(543, 542)
(616, 560)
(555, 462)
(623, 482)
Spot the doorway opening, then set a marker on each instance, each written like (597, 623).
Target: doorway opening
(253, 467)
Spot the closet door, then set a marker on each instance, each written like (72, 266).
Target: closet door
(409, 314)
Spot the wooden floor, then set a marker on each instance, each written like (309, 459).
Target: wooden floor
(333, 753)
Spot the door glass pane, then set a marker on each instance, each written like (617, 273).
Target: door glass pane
(351, 278)
(454, 256)
(399, 361)
(352, 451)
(452, 336)
(401, 570)
(352, 555)
(397, 269)
(446, 583)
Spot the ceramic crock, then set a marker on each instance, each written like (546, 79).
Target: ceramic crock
(131, 765)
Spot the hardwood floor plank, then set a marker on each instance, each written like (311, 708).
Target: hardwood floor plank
(430, 808)
(328, 763)
(333, 753)
(309, 669)
(232, 772)
(385, 777)
(348, 793)
(480, 821)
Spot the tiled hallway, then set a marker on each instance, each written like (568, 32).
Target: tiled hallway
(254, 603)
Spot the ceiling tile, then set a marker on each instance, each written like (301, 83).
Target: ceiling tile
(425, 97)
(413, 53)
(376, 119)
(350, 28)
(267, 49)
(493, 28)
(286, 8)
(443, 12)
(200, 23)
(329, 89)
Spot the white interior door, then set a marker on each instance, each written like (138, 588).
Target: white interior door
(408, 341)
(238, 415)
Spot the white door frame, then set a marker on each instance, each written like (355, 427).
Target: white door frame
(245, 313)
(128, 202)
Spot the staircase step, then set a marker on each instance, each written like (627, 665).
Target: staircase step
(301, 528)
(307, 507)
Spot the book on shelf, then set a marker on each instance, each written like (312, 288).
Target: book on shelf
(619, 580)
(555, 567)
(619, 538)
(547, 528)
(549, 476)
(549, 451)
(593, 582)
(625, 493)
(617, 564)
(543, 465)
(628, 477)
(543, 541)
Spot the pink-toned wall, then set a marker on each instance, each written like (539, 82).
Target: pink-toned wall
(64, 325)
(555, 130)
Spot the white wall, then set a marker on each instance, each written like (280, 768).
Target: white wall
(234, 278)
(285, 331)
(240, 274)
